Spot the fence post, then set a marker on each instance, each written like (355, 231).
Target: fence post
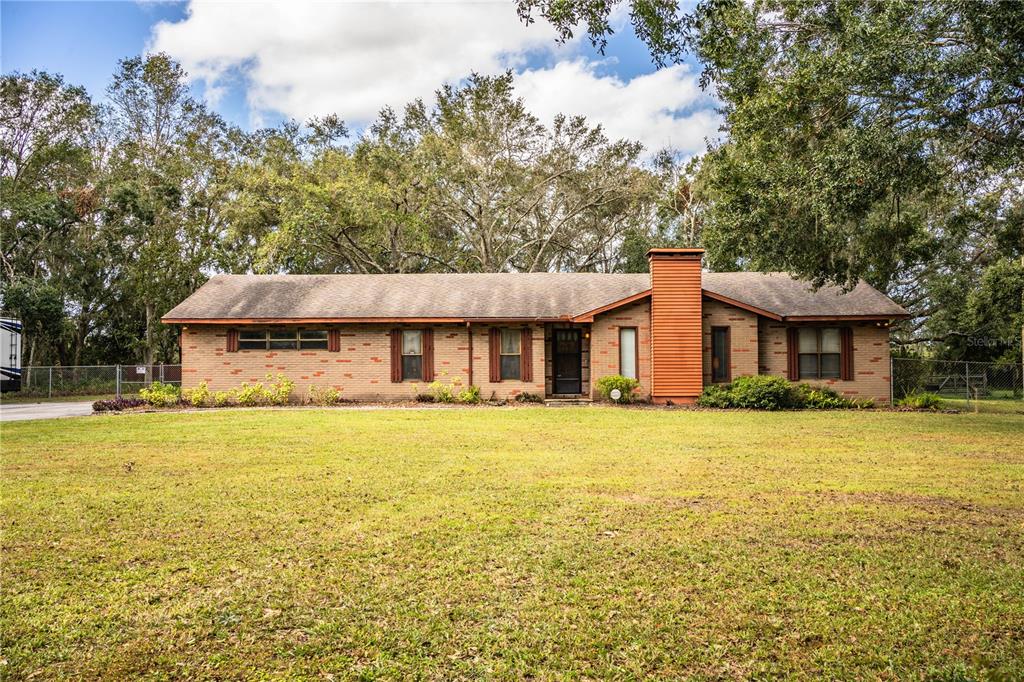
(161, 374)
(967, 382)
(49, 385)
(117, 380)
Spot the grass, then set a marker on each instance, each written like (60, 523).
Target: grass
(994, 406)
(513, 543)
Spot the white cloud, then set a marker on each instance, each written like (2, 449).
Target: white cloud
(302, 59)
(662, 109)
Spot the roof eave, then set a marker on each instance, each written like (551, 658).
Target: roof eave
(354, 320)
(873, 317)
(589, 315)
(740, 304)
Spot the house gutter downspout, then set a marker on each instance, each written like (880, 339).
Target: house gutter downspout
(469, 331)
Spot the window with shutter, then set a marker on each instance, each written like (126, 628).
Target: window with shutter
(820, 352)
(511, 344)
(412, 354)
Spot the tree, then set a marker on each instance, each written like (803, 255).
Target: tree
(164, 185)
(876, 140)
(475, 183)
(518, 195)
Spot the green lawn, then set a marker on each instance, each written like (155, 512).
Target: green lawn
(514, 543)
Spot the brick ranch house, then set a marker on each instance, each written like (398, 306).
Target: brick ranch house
(675, 330)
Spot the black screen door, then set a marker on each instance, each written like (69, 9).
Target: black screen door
(568, 362)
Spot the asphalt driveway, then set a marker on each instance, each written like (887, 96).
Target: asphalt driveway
(10, 412)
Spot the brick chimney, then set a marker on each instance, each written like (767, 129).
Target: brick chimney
(676, 345)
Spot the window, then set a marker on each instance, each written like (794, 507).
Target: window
(720, 370)
(628, 352)
(313, 339)
(820, 351)
(510, 349)
(412, 354)
(252, 340)
(282, 339)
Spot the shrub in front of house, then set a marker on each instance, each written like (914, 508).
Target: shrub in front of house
(280, 391)
(224, 398)
(775, 393)
(527, 397)
(761, 392)
(252, 395)
(626, 386)
(324, 396)
(818, 398)
(198, 396)
(470, 396)
(442, 392)
(715, 395)
(161, 395)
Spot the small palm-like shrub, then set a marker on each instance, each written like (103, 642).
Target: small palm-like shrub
(470, 396)
(442, 392)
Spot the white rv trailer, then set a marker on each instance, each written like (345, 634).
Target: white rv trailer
(10, 354)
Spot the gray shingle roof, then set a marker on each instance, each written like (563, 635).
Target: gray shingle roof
(539, 295)
(494, 296)
(778, 293)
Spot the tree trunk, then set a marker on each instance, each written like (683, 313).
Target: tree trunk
(148, 351)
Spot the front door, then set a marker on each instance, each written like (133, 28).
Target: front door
(568, 362)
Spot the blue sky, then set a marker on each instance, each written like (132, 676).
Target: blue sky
(258, 63)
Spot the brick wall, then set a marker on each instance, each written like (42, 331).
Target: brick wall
(743, 334)
(361, 371)
(870, 359)
(604, 343)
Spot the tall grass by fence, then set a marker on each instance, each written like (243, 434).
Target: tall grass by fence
(57, 381)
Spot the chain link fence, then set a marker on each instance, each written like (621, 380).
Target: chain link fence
(94, 380)
(982, 386)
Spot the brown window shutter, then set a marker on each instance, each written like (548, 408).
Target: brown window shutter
(526, 355)
(792, 353)
(428, 354)
(333, 341)
(232, 341)
(846, 354)
(396, 356)
(494, 350)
